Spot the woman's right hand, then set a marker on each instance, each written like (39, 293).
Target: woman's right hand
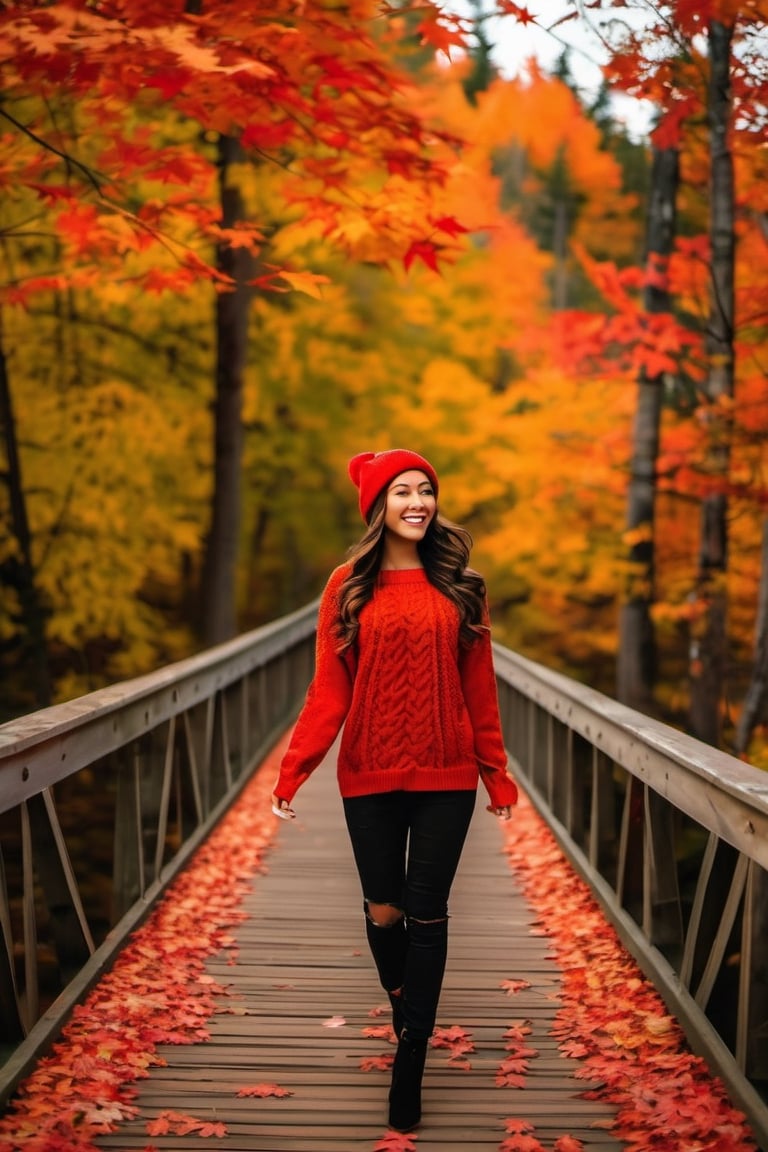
(503, 811)
(282, 809)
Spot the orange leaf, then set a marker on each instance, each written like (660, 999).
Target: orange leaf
(513, 986)
(377, 1063)
(308, 282)
(521, 1144)
(264, 1090)
(380, 1032)
(396, 1142)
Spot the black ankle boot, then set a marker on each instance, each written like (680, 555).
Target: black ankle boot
(405, 1093)
(396, 1000)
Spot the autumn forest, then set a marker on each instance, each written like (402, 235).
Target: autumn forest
(241, 243)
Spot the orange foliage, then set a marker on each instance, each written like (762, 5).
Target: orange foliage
(315, 93)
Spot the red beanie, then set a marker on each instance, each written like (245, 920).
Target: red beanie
(373, 471)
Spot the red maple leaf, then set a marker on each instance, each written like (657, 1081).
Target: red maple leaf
(396, 1142)
(518, 1030)
(443, 32)
(515, 1065)
(521, 1144)
(182, 1124)
(377, 1063)
(424, 250)
(511, 987)
(516, 1126)
(264, 1090)
(448, 224)
(509, 1079)
(380, 1032)
(522, 15)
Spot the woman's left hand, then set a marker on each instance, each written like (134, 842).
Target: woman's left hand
(504, 811)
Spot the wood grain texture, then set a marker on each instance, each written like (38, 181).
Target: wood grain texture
(303, 960)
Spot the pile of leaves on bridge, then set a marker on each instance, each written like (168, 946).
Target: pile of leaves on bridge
(158, 992)
(239, 246)
(612, 1020)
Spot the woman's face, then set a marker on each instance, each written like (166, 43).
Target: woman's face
(410, 507)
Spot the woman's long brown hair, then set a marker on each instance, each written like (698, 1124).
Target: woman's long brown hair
(444, 552)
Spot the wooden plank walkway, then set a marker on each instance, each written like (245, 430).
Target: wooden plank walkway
(303, 960)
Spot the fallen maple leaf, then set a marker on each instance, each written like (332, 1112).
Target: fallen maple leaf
(509, 1080)
(170, 1123)
(334, 1022)
(511, 987)
(521, 1144)
(264, 1090)
(380, 1032)
(396, 1142)
(518, 1030)
(214, 1128)
(516, 1126)
(515, 1065)
(377, 1063)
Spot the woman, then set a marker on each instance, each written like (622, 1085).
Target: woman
(404, 662)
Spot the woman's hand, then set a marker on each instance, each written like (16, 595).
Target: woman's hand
(282, 809)
(504, 811)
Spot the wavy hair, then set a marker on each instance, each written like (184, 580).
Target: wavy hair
(444, 552)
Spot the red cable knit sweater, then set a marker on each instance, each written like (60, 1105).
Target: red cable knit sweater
(420, 712)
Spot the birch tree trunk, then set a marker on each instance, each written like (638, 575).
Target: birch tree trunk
(636, 665)
(708, 643)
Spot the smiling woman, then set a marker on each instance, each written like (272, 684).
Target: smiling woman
(404, 662)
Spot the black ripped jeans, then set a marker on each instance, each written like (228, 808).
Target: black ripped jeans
(407, 847)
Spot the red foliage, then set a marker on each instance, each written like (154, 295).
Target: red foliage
(311, 80)
(264, 1090)
(170, 1123)
(396, 1142)
(630, 1045)
(156, 993)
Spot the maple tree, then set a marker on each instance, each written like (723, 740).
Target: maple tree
(710, 332)
(316, 96)
(110, 333)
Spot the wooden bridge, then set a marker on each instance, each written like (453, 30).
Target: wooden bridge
(175, 964)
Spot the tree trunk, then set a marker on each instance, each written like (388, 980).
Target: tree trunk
(755, 709)
(18, 571)
(636, 667)
(218, 607)
(708, 642)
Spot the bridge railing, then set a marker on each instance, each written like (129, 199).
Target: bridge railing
(672, 836)
(104, 798)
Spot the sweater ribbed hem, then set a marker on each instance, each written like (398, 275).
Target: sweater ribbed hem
(366, 782)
